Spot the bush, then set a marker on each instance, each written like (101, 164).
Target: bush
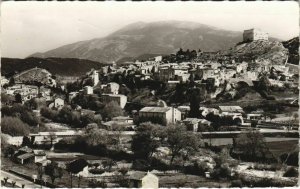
(14, 126)
(223, 171)
(96, 171)
(236, 183)
(291, 159)
(97, 184)
(263, 167)
(291, 172)
(140, 164)
(22, 112)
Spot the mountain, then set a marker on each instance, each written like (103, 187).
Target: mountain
(56, 66)
(293, 46)
(140, 38)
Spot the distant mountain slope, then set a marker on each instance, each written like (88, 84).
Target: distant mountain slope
(56, 66)
(293, 46)
(140, 38)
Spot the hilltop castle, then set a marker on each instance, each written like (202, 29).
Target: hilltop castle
(254, 35)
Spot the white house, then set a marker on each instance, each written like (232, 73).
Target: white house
(161, 115)
(88, 90)
(59, 103)
(120, 99)
(4, 81)
(140, 179)
(111, 88)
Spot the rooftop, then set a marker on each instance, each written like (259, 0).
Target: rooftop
(155, 109)
(231, 108)
(26, 156)
(137, 175)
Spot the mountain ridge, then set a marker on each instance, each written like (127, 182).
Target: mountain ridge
(162, 37)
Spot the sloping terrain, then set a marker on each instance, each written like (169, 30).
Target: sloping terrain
(270, 51)
(56, 66)
(293, 46)
(35, 75)
(140, 38)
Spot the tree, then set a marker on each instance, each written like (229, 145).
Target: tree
(53, 171)
(145, 142)
(11, 81)
(14, 126)
(107, 164)
(180, 141)
(18, 98)
(112, 109)
(97, 184)
(52, 136)
(41, 172)
(26, 142)
(87, 118)
(295, 116)
(252, 145)
(8, 151)
(6, 99)
(75, 167)
(194, 99)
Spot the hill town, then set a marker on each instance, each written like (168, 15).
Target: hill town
(193, 118)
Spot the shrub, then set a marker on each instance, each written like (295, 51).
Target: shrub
(197, 168)
(272, 167)
(96, 171)
(14, 126)
(291, 172)
(223, 171)
(140, 164)
(236, 183)
(291, 159)
(97, 184)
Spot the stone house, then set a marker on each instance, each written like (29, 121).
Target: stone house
(207, 73)
(111, 88)
(160, 115)
(120, 99)
(193, 124)
(88, 90)
(140, 179)
(39, 156)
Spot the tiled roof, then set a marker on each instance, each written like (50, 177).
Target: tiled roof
(26, 156)
(155, 109)
(26, 149)
(231, 108)
(39, 152)
(137, 175)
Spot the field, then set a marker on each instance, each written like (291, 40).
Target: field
(280, 147)
(31, 169)
(189, 181)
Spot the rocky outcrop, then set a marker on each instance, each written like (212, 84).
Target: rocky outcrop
(293, 47)
(261, 51)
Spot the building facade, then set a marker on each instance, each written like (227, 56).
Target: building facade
(120, 99)
(254, 35)
(160, 115)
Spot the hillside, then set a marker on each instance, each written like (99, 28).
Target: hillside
(269, 51)
(34, 75)
(56, 66)
(140, 38)
(293, 46)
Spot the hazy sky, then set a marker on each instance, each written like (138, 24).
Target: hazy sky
(29, 27)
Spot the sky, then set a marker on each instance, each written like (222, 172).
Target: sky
(30, 27)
